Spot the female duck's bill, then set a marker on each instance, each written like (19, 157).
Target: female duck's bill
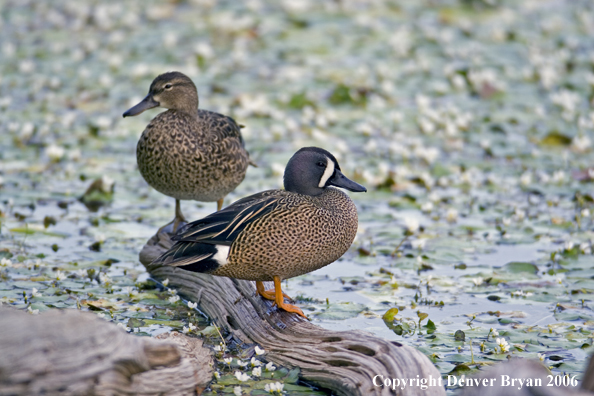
(147, 103)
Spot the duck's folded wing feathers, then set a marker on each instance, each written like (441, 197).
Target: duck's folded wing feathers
(222, 227)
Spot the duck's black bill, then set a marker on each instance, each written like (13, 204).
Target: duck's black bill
(147, 103)
(340, 180)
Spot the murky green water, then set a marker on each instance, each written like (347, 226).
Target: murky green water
(471, 123)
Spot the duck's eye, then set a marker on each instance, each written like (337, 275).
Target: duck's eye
(168, 86)
(321, 164)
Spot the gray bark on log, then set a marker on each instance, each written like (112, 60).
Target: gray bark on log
(345, 362)
(68, 352)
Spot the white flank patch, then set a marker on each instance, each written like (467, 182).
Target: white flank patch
(327, 173)
(221, 254)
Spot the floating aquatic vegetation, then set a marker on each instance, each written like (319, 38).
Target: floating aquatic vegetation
(470, 122)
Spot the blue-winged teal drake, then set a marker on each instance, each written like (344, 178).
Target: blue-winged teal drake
(275, 234)
(184, 152)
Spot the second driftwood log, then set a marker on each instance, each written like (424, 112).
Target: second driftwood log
(345, 362)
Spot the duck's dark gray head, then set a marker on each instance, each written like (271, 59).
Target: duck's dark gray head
(172, 90)
(311, 169)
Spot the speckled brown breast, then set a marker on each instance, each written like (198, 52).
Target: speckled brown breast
(200, 158)
(302, 234)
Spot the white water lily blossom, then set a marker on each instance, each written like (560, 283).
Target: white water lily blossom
(502, 343)
(257, 371)
(270, 366)
(274, 387)
(241, 376)
(255, 362)
(259, 351)
(36, 293)
(173, 299)
(32, 311)
(192, 305)
(237, 391)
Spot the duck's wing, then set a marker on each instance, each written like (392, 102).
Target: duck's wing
(203, 245)
(222, 227)
(221, 125)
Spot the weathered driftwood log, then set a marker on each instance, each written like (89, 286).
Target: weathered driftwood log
(530, 378)
(345, 362)
(68, 352)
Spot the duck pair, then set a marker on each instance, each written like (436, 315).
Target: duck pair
(200, 155)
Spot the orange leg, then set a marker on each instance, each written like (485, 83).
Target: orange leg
(267, 294)
(280, 301)
(220, 204)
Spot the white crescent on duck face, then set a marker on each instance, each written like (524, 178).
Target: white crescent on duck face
(275, 234)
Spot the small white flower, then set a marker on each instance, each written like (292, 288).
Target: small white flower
(541, 356)
(494, 332)
(585, 212)
(526, 178)
(227, 360)
(60, 275)
(502, 344)
(5, 262)
(270, 366)
(217, 375)
(568, 246)
(32, 311)
(173, 299)
(192, 305)
(478, 281)
(452, 215)
(237, 391)
(419, 243)
(259, 351)
(166, 282)
(241, 363)
(257, 371)
(192, 326)
(427, 207)
(130, 291)
(520, 214)
(54, 152)
(506, 221)
(218, 348)
(172, 291)
(274, 387)
(104, 278)
(411, 224)
(185, 330)
(101, 315)
(35, 293)
(241, 376)
(255, 362)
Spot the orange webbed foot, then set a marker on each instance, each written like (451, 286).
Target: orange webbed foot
(279, 297)
(267, 294)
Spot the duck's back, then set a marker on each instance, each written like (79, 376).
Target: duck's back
(301, 234)
(201, 158)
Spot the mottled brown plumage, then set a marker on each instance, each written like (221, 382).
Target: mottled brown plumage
(186, 153)
(275, 234)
